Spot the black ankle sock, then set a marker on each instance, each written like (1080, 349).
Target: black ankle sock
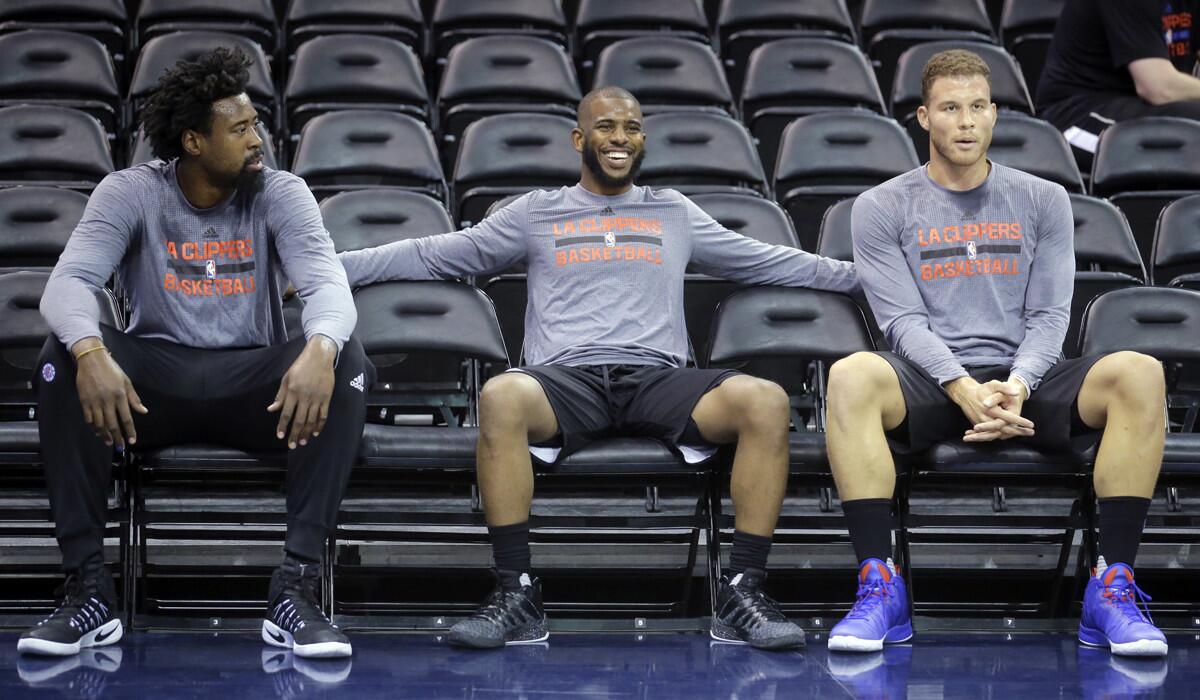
(748, 552)
(870, 523)
(510, 546)
(1121, 521)
(299, 559)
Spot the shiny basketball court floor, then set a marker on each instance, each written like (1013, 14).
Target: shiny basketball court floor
(656, 666)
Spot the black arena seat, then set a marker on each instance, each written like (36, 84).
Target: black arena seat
(354, 71)
(1143, 165)
(35, 223)
(357, 149)
(829, 156)
(455, 21)
(369, 218)
(1026, 28)
(700, 152)
(666, 74)
(1034, 146)
(793, 78)
(60, 68)
(1177, 245)
(744, 26)
(599, 23)
(51, 145)
(396, 19)
(253, 19)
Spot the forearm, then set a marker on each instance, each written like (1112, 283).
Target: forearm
(1169, 86)
(69, 306)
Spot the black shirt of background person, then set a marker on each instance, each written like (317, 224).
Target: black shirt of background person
(1096, 40)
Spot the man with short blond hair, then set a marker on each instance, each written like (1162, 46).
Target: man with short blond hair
(968, 266)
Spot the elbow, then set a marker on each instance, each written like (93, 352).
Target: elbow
(1154, 92)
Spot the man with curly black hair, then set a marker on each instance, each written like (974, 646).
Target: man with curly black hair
(202, 242)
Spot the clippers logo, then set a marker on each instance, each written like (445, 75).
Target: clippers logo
(610, 239)
(210, 269)
(48, 372)
(972, 252)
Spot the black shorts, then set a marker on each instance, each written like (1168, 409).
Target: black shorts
(596, 401)
(932, 417)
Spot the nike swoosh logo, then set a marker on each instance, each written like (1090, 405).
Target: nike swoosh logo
(102, 637)
(277, 637)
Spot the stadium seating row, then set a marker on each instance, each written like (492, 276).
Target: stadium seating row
(414, 331)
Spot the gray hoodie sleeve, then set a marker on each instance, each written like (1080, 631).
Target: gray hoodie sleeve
(110, 224)
(892, 292)
(306, 252)
(1048, 296)
(719, 252)
(496, 243)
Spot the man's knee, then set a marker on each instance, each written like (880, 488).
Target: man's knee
(758, 402)
(859, 381)
(506, 400)
(1131, 378)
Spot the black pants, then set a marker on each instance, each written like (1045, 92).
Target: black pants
(196, 396)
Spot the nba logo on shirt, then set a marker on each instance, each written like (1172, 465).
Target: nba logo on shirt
(210, 269)
(610, 239)
(971, 252)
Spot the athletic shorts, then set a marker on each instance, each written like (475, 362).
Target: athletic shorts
(932, 417)
(597, 401)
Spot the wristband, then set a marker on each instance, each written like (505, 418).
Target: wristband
(80, 355)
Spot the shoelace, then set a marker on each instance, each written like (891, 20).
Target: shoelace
(72, 596)
(869, 597)
(501, 607)
(760, 606)
(1126, 600)
(299, 608)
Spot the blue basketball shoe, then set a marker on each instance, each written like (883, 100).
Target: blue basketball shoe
(1112, 618)
(879, 616)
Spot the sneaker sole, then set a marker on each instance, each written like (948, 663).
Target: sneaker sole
(271, 633)
(896, 635)
(470, 642)
(726, 635)
(111, 631)
(1142, 647)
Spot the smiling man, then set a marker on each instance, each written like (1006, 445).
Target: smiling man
(606, 348)
(968, 267)
(202, 242)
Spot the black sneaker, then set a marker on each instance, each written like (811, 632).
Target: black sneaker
(294, 618)
(746, 615)
(85, 618)
(512, 614)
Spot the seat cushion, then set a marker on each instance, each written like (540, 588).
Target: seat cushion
(418, 447)
(623, 455)
(807, 454)
(200, 457)
(19, 442)
(1003, 457)
(1181, 454)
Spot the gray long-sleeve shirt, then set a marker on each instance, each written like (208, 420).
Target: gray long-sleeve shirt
(959, 279)
(605, 273)
(206, 278)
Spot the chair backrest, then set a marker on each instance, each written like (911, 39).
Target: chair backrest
(454, 21)
(369, 218)
(1160, 321)
(51, 144)
(368, 147)
(430, 316)
(520, 148)
(39, 63)
(786, 322)
(1148, 153)
(1036, 147)
(836, 238)
(398, 19)
(1177, 242)
(508, 68)
(699, 148)
(755, 217)
(252, 18)
(35, 224)
(808, 71)
(878, 15)
(1008, 83)
(64, 10)
(1103, 241)
(843, 147)
(593, 15)
(1029, 16)
(737, 15)
(356, 68)
(665, 71)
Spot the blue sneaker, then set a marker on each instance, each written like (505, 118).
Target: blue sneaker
(1112, 618)
(879, 616)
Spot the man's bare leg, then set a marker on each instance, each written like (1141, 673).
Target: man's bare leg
(1123, 395)
(753, 413)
